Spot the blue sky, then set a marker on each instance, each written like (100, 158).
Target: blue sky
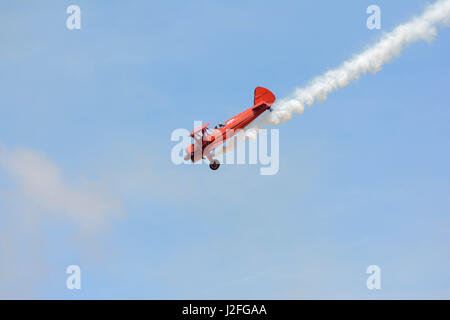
(363, 179)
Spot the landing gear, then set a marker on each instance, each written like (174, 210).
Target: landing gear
(214, 165)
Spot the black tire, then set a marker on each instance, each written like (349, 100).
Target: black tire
(214, 165)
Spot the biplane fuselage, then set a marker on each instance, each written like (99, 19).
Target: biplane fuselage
(206, 139)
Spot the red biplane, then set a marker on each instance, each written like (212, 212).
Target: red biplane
(206, 139)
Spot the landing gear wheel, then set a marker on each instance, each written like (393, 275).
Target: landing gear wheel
(214, 165)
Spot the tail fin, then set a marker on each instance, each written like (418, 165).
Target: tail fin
(263, 95)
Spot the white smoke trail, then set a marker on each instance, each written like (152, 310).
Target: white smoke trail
(370, 60)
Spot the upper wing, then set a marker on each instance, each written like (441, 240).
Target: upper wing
(199, 129)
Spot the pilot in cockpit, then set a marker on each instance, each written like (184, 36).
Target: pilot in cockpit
(220, 125)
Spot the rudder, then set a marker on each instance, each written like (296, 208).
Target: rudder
(263, 95)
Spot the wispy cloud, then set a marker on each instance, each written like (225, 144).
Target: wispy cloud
(41, 181)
